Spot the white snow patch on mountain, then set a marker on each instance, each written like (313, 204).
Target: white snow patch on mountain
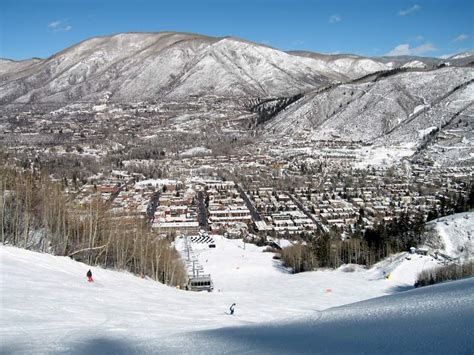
(414, 64)
(424, 132)
(454, 236)
(381, 155)
(418, 109)
(196, 151)
(462, 55)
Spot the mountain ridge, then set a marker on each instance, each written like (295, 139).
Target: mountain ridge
(149, 65)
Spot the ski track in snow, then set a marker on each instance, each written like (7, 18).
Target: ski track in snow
(47, 306)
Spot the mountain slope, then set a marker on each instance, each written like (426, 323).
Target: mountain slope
(346, 67)
(395, 108)
(149, 66)
(11, 66)
(451, 236)
(138, 66)
(437, 320)
(48, 306)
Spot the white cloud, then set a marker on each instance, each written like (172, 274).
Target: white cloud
(59, 26)
(335, 18)
(462, 37)
(409, 10)
(401, 49)
(54, 24)
(405, 49)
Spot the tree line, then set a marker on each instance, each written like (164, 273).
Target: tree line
(445, 273)
(35, 214)
(328, 250)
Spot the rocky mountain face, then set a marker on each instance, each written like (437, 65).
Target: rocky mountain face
(150, 66)
(406, 101)
(154, 66)
(427, 112)
(395, 107)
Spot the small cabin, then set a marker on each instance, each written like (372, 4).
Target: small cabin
(200, 283)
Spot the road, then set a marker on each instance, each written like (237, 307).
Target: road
(307, 213)
(115, 194)
(253, 211)
(202, 213)
(152, 206)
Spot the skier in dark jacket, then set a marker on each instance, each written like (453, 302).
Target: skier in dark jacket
(232, 308)
(89, 276)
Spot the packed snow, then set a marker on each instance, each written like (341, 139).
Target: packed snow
(48, 306)
(437, 319)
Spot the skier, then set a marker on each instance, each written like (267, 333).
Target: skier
(89, 276)
(232, 308)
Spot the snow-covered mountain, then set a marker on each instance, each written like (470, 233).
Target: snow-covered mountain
(11, 66)
(346, 66)
(410, 102)
(394, 109)
(138, 66)
(145, 66)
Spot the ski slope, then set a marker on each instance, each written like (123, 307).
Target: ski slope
(48, 306)
(437, 319)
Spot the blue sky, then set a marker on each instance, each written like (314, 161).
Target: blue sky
(39, 28)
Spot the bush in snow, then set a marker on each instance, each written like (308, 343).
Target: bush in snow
(445, 273)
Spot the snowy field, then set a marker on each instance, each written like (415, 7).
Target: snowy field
(47, 306)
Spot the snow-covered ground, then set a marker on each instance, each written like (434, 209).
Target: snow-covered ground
(156, 182)
(196, 151)
(47, 306)
(453, 236)
(383, 155)
(437, 319)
